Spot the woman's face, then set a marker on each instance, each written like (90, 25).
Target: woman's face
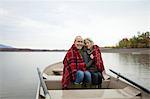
(88, 44)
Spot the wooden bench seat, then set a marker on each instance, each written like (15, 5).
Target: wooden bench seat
(54, 82)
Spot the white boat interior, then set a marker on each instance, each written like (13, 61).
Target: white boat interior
(113, 88)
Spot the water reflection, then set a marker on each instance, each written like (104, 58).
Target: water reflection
(133, 66)
(142, 59)
(136, 67)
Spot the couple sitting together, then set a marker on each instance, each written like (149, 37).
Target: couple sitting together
(83, 64)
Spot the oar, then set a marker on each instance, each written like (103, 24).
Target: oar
(46, 93)
(130, 81)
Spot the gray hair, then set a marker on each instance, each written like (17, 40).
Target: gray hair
(77, 37)
(91, 41)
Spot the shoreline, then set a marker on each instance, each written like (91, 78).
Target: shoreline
(103, 50)
(126, 50)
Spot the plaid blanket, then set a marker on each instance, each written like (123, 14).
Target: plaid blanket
(73, 61)
(98, 62)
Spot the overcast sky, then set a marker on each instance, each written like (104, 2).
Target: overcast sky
(54, 24)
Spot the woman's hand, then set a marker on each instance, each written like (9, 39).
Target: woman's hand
(106, 77)
(91, 56)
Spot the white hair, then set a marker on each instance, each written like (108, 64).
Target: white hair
(77, 37)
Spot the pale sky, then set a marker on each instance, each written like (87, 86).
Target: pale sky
(53, 24)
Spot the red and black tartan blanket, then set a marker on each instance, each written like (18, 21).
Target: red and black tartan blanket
(98, 62)
(73, 61)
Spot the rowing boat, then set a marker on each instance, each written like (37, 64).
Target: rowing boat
(118, 87)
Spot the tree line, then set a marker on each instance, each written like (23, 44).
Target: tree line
(142, 40)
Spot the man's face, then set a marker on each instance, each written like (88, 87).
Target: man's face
(78, 42)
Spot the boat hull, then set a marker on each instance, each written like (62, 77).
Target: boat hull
(114, 88)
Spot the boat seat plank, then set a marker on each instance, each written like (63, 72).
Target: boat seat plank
(54, 82)
(58, 71)
(54, 78)
(91, 94)
(132, 90)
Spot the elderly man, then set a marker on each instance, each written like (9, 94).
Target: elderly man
(74, 66)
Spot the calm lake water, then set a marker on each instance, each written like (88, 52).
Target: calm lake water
(19, 78)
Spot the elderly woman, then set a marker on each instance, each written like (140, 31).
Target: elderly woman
(94, 62)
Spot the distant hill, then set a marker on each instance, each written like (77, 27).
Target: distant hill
(5, 46)
(10, 48)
